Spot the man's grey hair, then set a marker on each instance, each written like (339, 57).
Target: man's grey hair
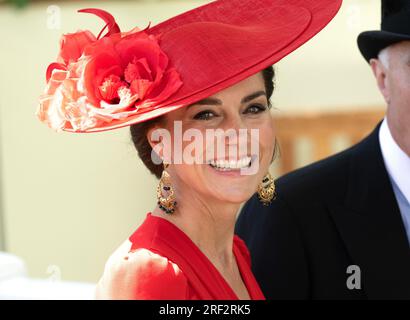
(384, 57)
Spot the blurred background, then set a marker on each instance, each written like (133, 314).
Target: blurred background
(68, 200)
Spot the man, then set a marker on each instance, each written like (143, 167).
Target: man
(340, 228)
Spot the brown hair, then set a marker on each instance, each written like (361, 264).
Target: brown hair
(139, 131)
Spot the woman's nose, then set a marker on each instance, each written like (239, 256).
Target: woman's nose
(234, 130)
(233, 122)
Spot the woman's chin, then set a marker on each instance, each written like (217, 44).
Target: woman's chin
(235, 197)
(230, 185)
(231, 191)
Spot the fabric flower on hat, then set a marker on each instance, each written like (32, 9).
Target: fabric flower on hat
(97, 80)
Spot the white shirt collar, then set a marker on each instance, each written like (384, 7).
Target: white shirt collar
(397, 162)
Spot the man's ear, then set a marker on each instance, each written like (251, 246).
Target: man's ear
(380, 73)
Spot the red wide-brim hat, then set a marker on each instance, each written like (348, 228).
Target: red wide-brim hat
(124, 78)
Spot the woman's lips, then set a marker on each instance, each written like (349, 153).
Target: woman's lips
(226, 165)
(240, 167)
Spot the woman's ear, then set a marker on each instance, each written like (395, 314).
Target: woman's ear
(152, 138)
(155, 141)
(160, 142)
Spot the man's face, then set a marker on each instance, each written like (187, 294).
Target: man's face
(394, 84)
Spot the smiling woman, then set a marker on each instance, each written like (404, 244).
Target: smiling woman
(206, 70)
(139, 131)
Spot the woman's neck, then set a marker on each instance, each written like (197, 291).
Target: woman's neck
(209, 225)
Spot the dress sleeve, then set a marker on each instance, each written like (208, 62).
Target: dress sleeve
(142, 275)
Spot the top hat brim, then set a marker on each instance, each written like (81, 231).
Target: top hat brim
(372, 42)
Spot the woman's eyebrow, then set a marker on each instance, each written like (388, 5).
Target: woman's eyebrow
(253, 96)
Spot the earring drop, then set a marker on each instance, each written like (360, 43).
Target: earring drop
(166, 203)
(267, 190)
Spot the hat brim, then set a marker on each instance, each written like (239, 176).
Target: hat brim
(245, 36)
(372, 42)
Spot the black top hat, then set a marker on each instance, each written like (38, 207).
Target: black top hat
(395, 27)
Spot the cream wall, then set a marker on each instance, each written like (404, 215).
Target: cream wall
(70, 199)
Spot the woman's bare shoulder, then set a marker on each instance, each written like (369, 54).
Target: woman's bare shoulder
(141, 274)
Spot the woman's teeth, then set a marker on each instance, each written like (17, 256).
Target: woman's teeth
(224, 165)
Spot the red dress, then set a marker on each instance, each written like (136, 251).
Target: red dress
(159, 261)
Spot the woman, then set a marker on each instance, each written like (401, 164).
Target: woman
(204, 75)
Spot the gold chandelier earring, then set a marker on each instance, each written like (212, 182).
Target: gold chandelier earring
(166, 203)
(267, 190)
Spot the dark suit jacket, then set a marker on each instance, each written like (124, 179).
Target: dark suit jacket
(338, 212)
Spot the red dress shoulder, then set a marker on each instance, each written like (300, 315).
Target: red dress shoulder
(159, 261)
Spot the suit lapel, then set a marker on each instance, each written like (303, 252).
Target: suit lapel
(371, 225)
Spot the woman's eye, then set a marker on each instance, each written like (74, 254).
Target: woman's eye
(205, 115)
(255, 108)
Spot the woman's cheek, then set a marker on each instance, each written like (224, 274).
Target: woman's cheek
(267, 141)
